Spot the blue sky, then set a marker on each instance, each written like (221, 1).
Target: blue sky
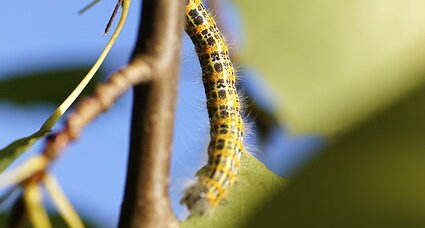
(51, 34)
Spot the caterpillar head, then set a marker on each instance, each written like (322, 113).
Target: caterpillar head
(195, 198)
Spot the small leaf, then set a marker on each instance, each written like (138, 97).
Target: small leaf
(13, 150)
(254, 185)
(16, 148)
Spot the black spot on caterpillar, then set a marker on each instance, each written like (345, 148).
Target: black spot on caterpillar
(223, 104)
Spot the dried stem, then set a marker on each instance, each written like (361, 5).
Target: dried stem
(89, 108)
(146, 202)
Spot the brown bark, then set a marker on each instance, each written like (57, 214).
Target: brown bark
(146, 202)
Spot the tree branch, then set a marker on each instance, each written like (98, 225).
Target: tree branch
(89, 108)
(146, 202)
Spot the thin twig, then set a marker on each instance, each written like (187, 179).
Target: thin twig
(146, 200)
(89, 6)
(111, 19)
(89, 108)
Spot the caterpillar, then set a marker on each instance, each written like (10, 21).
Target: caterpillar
(224, 110)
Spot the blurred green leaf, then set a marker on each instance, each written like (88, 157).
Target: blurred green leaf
(333, 63)
(51, 86)
(255, 184)
(372, 176)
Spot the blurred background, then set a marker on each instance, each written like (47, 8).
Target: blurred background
(342, 78)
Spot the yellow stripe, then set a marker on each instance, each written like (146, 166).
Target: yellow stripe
(223, 105)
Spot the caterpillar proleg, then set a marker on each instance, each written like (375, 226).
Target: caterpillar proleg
(223, 103)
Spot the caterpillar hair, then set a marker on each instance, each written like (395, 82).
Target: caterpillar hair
(224, 110)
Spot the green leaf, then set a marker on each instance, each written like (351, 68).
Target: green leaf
(333, 63)
(372, 176)
(51, 86)
(11, 152)
(254, 185)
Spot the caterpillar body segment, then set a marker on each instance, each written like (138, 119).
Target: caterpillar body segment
(224, 107)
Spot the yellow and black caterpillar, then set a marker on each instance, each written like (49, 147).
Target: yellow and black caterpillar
(224, 107)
